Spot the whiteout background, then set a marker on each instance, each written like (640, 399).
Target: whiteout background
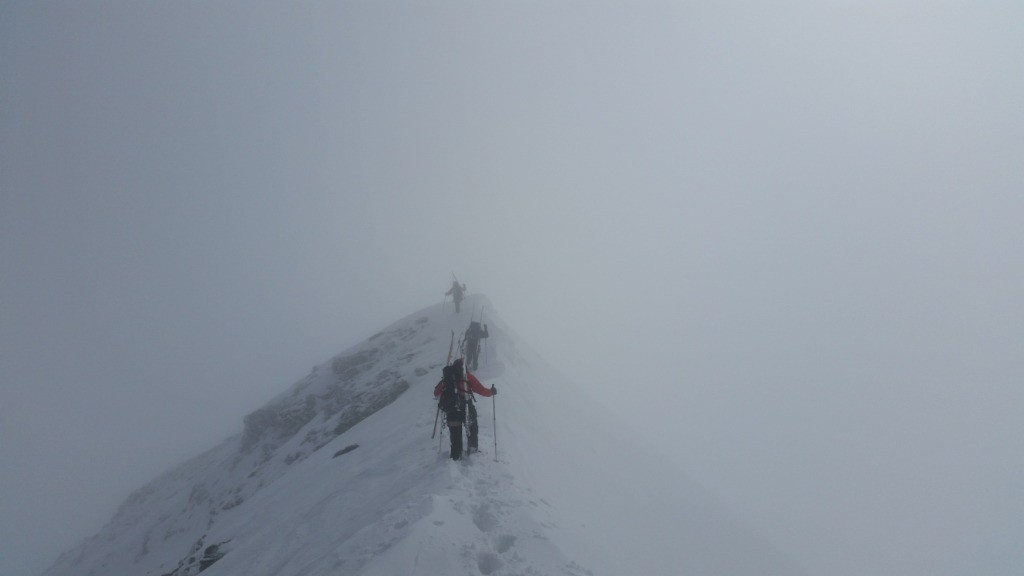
(782, 241)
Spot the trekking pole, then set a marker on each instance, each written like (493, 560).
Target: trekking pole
(494, 414)
(436, 414)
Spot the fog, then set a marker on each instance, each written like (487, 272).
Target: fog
(781, 240)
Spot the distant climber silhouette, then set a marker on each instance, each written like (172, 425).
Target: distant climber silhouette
(456, 292)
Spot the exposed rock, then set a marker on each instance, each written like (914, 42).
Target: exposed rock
(346, 450)
(348, 367)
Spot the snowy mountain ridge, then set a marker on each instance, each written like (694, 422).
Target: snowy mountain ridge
(339, 475)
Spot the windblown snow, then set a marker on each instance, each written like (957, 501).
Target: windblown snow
(339, 475)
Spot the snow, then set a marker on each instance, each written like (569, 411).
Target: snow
(570, 490)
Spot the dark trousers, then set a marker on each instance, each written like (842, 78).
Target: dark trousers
(471, 426)
(472, 353)
(464, 418)
(455, 432)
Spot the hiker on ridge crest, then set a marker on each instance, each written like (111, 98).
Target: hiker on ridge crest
(455, 398)
(456, 292)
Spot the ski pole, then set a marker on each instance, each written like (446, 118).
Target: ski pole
(494, 414)
(436, 414)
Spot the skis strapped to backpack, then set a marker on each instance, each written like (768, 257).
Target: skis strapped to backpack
(441, 402)
(449, 400)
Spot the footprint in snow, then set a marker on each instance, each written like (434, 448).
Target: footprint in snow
(505, 542)
(488, 562)
(484, 519)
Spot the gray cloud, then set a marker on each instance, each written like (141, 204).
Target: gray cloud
(782, 241)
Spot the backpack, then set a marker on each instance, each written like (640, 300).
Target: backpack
(449, 399)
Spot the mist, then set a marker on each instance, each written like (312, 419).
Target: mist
(792, 232)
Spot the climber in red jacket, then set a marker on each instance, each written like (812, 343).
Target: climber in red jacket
(455, 398)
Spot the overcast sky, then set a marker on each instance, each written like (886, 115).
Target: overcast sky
(783, 239)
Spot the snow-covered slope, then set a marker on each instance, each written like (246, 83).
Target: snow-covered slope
(339, 475)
